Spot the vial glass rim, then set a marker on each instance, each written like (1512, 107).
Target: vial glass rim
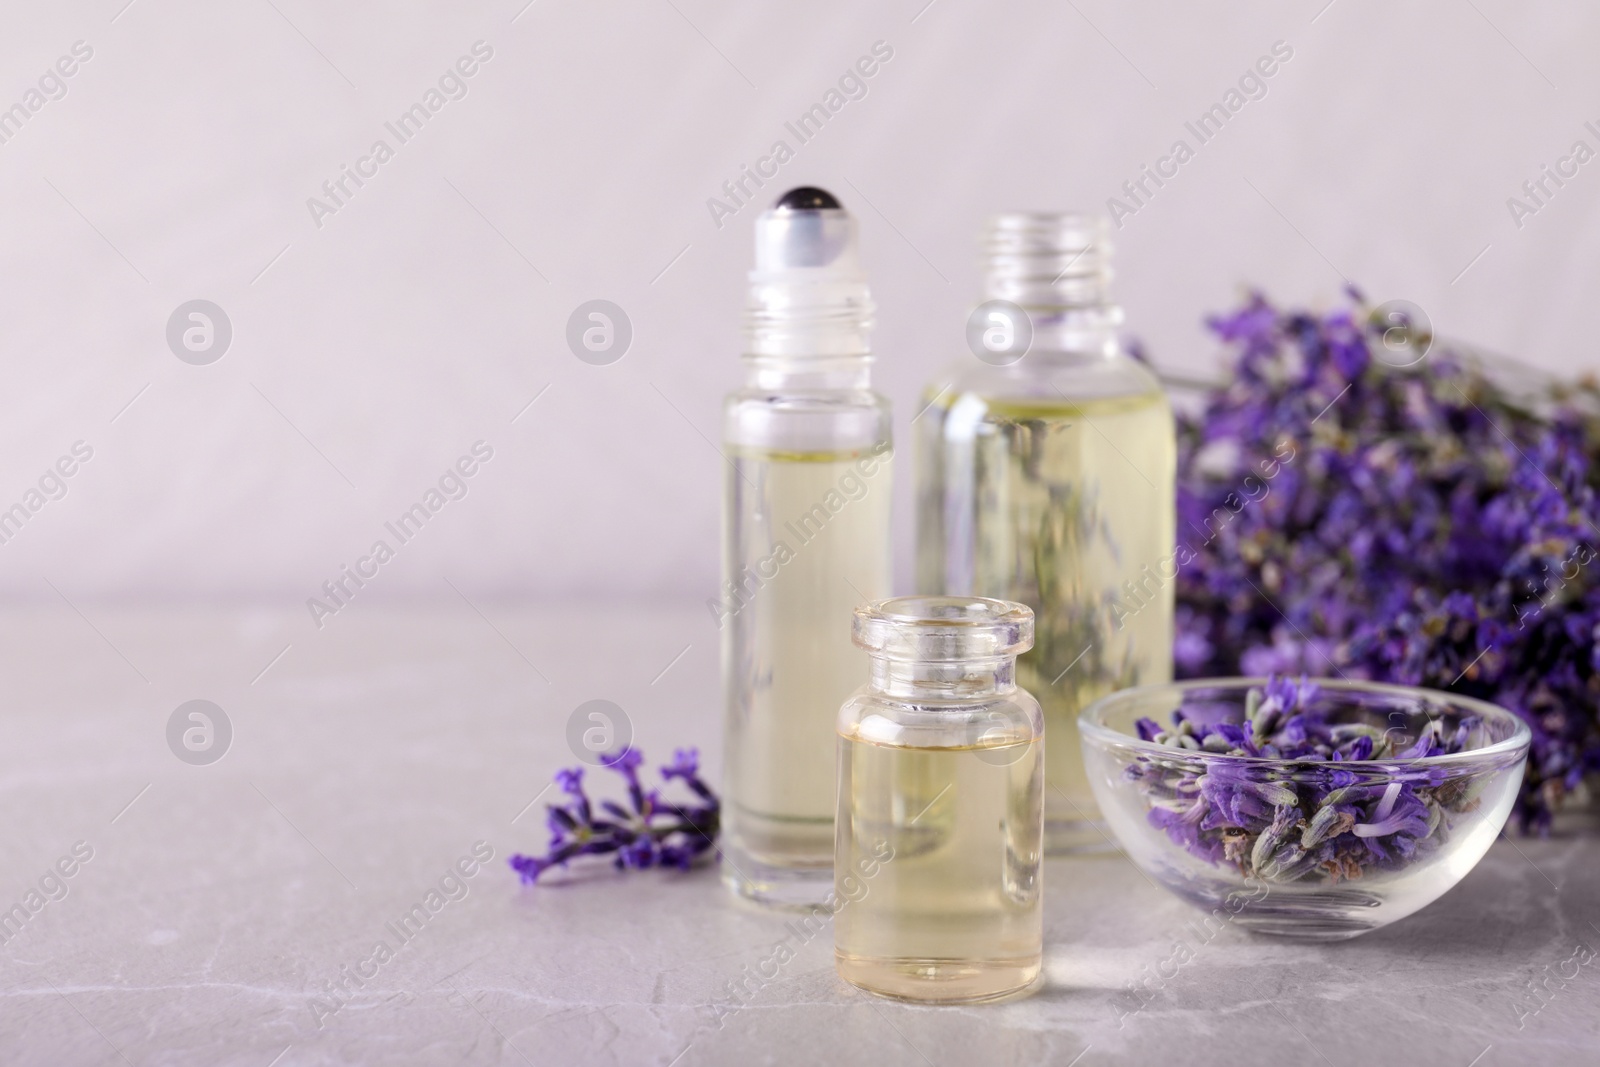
(943, 629)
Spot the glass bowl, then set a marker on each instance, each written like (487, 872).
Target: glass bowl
(1310, 847)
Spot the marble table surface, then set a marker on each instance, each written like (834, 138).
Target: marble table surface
(210, 906)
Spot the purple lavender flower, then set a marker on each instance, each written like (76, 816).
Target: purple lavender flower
(653, 832)
(1421, 525)
(685, 764)
(1303, 817)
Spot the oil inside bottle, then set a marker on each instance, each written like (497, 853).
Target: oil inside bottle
(939, 900)
(1066, 506)
(810, 542)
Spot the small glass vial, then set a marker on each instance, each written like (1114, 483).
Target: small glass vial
(941, 808)
(805, 541)
(1046, 466)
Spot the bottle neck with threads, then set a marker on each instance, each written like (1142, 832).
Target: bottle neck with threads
(809, 310)
(1056, 266)
(943, 648)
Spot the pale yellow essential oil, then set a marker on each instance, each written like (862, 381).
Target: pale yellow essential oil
(810, 531)
(939, 901)
(1066, 506)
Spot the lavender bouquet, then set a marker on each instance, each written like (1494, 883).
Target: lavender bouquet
(1342, 516)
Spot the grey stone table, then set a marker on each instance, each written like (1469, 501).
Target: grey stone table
(210, 907)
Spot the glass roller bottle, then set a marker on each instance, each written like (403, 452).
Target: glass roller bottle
(806, 540)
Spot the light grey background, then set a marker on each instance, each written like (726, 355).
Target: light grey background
(372, 351)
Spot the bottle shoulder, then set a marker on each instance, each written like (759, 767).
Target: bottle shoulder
(1120, 378)
(822, 420)
(801, 401)
(978, 722)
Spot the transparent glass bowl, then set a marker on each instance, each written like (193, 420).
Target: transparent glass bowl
(1247, 837)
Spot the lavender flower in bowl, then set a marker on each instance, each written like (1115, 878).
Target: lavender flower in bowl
(1316, 810)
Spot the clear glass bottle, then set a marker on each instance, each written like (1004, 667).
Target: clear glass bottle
(937, 893)
(1046, 470)
(806, 540)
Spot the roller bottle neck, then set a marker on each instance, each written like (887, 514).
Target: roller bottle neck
(809, 311)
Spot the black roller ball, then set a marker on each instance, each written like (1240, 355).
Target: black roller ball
(808, 198)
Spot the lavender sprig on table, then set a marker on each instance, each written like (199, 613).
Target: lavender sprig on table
(651, 832)
(1423, 524)
(1311, 820)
